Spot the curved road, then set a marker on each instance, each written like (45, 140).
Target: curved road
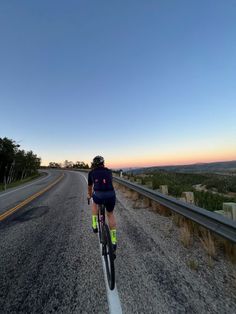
(14, 196)
(50, 260)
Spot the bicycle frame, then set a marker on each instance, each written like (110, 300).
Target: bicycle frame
(101, 214)
(107, 249)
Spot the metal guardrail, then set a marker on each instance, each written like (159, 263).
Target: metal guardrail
(210, 220)
(221, 225)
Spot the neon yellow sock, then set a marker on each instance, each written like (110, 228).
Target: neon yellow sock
(113, 236)
(94, 221)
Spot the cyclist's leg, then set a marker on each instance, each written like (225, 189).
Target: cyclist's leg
(110, 204)
(111, 220)
(94, 215)
(112, 226)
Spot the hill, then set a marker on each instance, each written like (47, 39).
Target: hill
(224, 167)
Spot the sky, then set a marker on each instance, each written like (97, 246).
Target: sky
(140, 82)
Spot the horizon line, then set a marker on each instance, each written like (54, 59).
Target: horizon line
(178, 165)
(166, 165)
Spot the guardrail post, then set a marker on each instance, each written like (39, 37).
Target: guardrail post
(164, 189)
(188, 197)
(230, 210)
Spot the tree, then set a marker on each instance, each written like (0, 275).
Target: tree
(68, 164)
(16, 164)
(54, 165)
(81, 165)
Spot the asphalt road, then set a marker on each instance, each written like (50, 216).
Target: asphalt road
(13, 196)
(50, 260)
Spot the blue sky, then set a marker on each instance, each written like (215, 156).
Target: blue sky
(140, 82)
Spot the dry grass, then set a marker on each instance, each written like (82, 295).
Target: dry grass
(146, 202)
(178, 219)
(170, 227)
(123, 189)
(185, 235)
(230, 251)
(208, 244)
(192, 264)
(154, 205)
(183, 222)
(142, 202)
(128, 193)
(163, 210)
(175, 219)
(135, 196)
(117, 186)
(189, 230)
(137, 204)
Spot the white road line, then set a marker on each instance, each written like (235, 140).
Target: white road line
(112, 295)
(25, 186)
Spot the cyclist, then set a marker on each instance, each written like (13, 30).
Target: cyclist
(101, 189)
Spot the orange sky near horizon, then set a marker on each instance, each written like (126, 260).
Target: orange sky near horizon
(163, 159)
(169, 162)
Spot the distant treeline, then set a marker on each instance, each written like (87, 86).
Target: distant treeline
(213, 185)
(15, 163)
(179, 182)
(69, 164)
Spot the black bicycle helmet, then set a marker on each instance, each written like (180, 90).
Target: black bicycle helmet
(98, 161)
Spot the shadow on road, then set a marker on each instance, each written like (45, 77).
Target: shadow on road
(32, 213)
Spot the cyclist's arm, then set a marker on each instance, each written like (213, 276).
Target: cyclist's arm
(90, 185)
(90, 191)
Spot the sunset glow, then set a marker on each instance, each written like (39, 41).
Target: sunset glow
(162, 159)
(150, 88)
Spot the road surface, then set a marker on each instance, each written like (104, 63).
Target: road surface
(50, 260)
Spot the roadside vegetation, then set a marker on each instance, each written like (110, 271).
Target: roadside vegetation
(19, 182)
(16, 165)
(210, 190)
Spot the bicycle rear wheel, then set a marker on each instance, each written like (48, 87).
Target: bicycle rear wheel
(109, 258)
(99, 228)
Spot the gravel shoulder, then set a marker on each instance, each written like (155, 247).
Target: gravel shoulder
(154, 272)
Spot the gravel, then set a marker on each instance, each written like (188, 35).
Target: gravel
(155, 273)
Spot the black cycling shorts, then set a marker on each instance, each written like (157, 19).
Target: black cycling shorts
(106, 198)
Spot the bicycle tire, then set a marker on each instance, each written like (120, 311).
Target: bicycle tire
(109, 258)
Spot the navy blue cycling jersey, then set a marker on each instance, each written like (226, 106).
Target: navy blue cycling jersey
(101, 179)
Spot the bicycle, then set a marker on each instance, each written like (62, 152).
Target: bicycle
(107, 248)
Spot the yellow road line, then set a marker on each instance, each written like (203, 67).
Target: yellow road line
(29, 199)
